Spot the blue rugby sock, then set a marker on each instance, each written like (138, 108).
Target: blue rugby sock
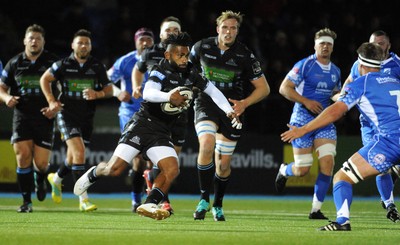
(384, 183)
(321, 186)
(342, 196)
(289, 171)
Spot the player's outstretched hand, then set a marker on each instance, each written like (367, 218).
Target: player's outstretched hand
(292, 134)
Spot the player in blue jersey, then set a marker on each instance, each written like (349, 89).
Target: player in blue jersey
(310, 84)
(121, 72)
(385, 181)
(376, 95)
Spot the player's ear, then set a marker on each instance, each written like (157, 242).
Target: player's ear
(167, 55)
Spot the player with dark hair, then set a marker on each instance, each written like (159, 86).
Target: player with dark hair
(83, 80)
(121, 72)
(376, 95)
(166, 95)
(33, 133)
(150, 57)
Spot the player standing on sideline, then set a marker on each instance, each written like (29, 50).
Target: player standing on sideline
(149, 58)
(310, 84)
(84, 80)
(228, 64)
(384, 181)
(33, 133)
(376, 96)
(149, 130)
(122, 71)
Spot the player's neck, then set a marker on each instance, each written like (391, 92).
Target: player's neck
(323, 60)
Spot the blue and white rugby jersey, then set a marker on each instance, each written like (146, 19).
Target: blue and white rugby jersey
(389, 66)
(377, 97)
(122, 71)
(314, 81)
(386, 67)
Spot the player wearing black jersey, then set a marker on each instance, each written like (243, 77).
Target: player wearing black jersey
(228, 64)
(150, 57)
(149, 130)
(83, 79)
(33, 133)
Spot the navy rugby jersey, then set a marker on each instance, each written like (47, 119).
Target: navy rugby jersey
(22, 76)
(75, 78)
(228, 70)
(169, 79)
(150, 57)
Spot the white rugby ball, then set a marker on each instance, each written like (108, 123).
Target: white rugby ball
(170, 109)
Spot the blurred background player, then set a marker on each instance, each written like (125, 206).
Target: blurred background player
(230, 66)
(121, 71)
(150, 57)
(33, 132)
(310, 84)
(83, 80)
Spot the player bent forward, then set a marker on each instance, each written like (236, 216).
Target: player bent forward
(148, 132)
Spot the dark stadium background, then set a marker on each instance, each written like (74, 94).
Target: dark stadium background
(278, 32)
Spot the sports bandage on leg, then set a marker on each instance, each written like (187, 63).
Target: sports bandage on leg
(303, 160)
(395, 169)
(225, 147)
(325, 150)
(205, 128)
(351, 170)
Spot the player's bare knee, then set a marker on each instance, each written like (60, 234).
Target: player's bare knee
(301, 171)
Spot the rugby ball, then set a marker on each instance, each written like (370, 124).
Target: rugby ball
(170, 109)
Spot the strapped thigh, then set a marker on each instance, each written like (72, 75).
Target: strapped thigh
(225, 147)
(303, 160)
(328, 149)
(351, 170)
(206, 127)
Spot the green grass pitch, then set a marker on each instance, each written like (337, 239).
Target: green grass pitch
(252, 220)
